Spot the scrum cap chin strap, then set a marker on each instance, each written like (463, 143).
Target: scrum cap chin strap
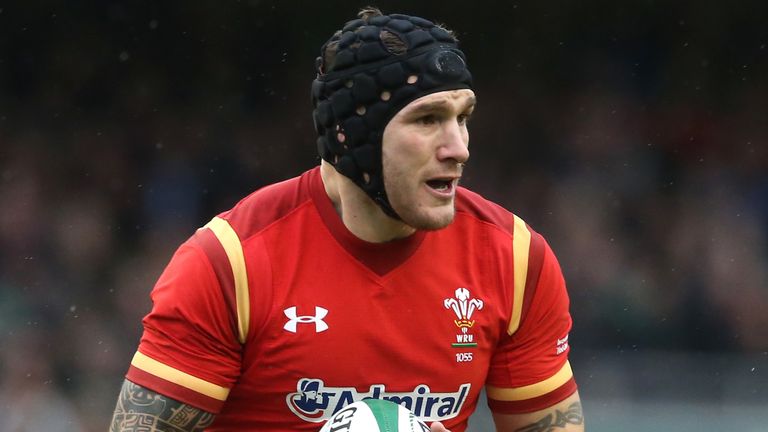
(369, 82)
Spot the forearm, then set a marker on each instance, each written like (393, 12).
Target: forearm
(141, 409)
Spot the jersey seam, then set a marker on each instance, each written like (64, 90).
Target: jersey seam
(262, 327)
(524, 318)
(212, 275)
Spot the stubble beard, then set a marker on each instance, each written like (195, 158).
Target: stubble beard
(405, 202)
(420, 220)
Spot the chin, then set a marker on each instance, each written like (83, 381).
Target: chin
(429, 220)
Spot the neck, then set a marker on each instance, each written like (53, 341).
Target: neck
(360, 214)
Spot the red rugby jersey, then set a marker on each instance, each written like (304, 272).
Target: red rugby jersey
(274, 316)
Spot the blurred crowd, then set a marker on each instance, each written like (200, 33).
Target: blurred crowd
(633, 137)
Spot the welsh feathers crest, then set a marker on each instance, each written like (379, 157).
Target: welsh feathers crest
(463, 306)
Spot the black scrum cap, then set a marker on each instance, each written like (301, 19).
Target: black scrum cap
(369, 81)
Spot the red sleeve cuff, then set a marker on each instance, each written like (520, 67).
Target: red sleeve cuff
(174, 391)
(533, 404)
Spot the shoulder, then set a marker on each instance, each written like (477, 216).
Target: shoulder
(528, 247)
(475, 206)
(270, 204)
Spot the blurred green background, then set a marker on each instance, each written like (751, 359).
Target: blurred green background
(632, 135)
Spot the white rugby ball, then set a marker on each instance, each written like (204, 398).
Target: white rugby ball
(374, 415)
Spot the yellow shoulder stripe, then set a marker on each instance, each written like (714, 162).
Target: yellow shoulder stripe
(521, 243)
(160, 370)
(234, 250)
(534, 390)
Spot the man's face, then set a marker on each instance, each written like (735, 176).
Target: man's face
(424, 148)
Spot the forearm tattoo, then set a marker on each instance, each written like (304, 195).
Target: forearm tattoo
(559, 419)
(141, 410)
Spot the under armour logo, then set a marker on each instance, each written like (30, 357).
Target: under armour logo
(294, 320)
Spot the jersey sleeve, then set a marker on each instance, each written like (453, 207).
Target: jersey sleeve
(189, 350)
(530, 370)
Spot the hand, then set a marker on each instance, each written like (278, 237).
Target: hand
(438, 427)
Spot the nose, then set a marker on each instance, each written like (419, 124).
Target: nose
(454, 143)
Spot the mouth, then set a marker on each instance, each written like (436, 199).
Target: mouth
(443, 186)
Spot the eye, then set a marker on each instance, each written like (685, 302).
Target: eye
(428, 119)
(463, 119)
